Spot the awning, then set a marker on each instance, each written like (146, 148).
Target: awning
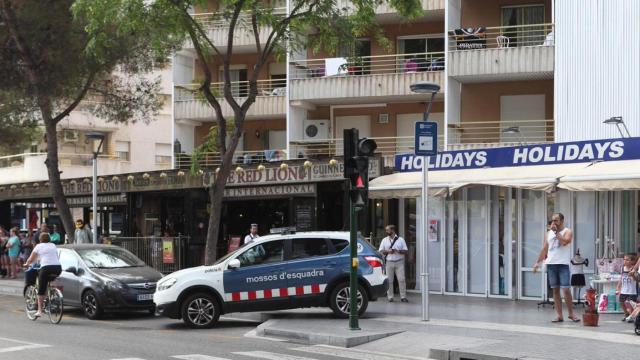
(604, 176)
(441, 182)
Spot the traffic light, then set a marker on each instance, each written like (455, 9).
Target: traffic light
(356, 153)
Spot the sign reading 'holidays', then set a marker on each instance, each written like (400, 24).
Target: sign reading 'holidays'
(543, 154)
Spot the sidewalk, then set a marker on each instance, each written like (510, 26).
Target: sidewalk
(12, 286)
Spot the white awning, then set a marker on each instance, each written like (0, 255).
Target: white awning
(604, 176)
(540, 177)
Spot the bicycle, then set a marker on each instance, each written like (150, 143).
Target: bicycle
(53, 301)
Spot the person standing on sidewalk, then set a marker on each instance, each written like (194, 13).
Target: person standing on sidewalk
(55, 235)
(557, 249)
(393, 247)
(253, 234)
(83, 234)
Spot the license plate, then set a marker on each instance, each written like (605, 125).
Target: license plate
(144, 297)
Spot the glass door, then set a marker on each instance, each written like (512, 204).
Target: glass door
(477, 216)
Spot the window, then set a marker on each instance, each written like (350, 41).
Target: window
(163, 153)
(123, 150)
(265, 253)
(238, 78)
(421, 53)
(339, 244)
(68, 259)
(517, 21)
(305, 248)
(361, 51)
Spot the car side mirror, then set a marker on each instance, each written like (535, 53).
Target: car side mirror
(72, 269)
(234, 264)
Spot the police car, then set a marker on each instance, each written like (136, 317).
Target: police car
(274, 272)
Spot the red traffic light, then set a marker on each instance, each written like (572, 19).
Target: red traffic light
(359, 182)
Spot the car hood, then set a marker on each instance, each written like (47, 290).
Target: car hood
(130, 275)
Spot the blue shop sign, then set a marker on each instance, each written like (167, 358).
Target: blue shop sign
(542, 154)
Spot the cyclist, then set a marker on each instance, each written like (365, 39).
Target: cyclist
(47, 255)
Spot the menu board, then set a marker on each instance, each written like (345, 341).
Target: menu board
(304, 214)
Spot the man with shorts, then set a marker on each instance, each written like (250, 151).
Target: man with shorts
(557, 250)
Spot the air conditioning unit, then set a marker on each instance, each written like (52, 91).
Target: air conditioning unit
(316, 129)
(70, 135)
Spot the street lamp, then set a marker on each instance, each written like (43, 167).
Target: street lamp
(617, 121)
(425, 87)
(95, 136)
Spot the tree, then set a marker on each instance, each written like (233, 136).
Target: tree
(52, 57)
(316, 24)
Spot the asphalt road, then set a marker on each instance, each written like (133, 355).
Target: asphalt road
(141, 336)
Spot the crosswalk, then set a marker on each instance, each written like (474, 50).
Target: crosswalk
(315, 352)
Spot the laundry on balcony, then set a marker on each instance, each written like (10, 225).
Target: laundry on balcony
(470, 38)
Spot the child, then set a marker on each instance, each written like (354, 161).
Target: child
(628, 287)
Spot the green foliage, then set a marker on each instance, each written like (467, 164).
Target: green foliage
(208, 146)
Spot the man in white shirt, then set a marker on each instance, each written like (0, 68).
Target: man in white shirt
(253, 234)
(393, 247)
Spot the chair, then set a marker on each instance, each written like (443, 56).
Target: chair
(503, 41)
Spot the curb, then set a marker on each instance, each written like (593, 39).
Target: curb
(10, 290)
(272, 328)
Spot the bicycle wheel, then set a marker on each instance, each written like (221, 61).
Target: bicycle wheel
(55, 306)
(31, 302)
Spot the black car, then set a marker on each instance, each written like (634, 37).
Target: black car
(101, 278)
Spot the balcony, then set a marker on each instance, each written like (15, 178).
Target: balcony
(484, 134)
(428, 6)
(270, 102)
(366, 79)
(30, 167)
(217, 28)
(212, 160)
(508, 53)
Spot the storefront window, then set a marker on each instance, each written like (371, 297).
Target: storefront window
(627, 222)
(534, 210)
(499, 258)
(454, 260)
(409, 234)
(477, 239)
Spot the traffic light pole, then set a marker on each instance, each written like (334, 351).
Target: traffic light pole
(353, 273)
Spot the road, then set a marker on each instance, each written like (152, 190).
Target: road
(141, 337)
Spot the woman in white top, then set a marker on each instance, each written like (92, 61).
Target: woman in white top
(47, 255)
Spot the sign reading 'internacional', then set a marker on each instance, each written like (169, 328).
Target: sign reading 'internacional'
(543, 154)
(270, 191)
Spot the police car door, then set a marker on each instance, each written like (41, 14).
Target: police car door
(309, 269)
(259, 283)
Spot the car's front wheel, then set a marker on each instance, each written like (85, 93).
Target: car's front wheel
(340, 300)
(91, 306)
(200, 311)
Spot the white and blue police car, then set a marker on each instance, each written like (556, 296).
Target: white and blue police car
(275, 272)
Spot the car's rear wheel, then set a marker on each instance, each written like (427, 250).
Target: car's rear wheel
(340, 300)
(91, 306)
(200, 311)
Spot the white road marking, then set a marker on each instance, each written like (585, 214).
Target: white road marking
(353, 354)
(271, 356)
(25, 345)
(197, 357)
(128, 359)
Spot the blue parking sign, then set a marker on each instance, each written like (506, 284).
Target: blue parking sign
(426, 138)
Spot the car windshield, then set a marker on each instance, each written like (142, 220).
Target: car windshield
(109, 258)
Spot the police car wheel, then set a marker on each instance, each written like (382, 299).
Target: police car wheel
(340, 300)
(200, 311)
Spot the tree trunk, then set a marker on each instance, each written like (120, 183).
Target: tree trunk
(55, 185)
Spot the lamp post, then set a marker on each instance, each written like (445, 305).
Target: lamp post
(425, 87)
(617, 121)
(95, 136)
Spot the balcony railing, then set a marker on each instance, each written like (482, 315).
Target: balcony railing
(214, 20)
(367, 65)
(66, 159)
(189, 92)
(501, 37)
(507, 133)
(212, 160)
